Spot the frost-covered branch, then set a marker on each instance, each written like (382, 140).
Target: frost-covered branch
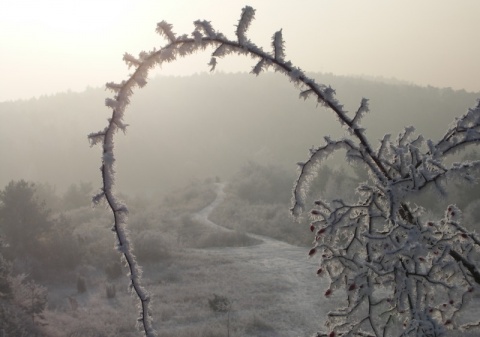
(414, 267)
(399, 272)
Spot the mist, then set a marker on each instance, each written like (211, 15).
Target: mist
(184, 129)
(206, 168)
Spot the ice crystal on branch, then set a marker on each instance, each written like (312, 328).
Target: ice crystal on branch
(278, 46)
(362, 110)
(165, 29)
(206, 27)
(259, 67)
(131, 61)
(248, 14)
(221, 51)
(212, 63)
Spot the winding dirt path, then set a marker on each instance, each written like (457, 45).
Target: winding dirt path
(283, 264)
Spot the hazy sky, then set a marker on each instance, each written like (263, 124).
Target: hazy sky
(49, 46)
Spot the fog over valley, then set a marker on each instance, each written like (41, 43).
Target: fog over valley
(188, 128)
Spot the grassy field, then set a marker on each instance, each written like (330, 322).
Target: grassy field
(188, 260)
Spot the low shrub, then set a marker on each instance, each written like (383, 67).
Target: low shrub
(110, 290)
(113, 271)
(81, 285)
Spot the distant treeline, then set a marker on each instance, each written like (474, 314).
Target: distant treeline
(186, 128)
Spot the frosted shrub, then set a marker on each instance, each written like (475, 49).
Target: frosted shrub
(113, 271)
(110, 290)
(81, 285)
(219, 303)
(400, 274)
(152, 246)
(28, 296)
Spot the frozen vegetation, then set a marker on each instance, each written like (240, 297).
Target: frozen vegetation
(394, 252)
(191, 249)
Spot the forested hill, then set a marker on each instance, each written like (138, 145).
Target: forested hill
(183, 128)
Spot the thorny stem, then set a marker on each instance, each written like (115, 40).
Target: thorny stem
(471, 268)
(123, 241)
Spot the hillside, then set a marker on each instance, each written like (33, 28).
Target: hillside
(187, 128)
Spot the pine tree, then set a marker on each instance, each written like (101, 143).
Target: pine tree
(24, 220)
